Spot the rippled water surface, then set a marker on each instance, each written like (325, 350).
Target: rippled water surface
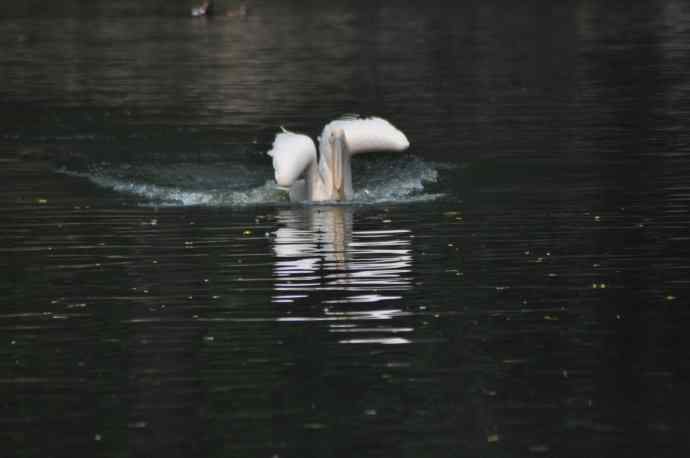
(515, 284)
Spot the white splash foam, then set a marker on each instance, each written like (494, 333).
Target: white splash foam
(404, 179)
(233, 184)
(170, 196)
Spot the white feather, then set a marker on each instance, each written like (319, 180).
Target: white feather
(292, 153)
(366, 135)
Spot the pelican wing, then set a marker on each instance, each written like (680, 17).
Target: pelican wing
(366, 135)
(292, 153)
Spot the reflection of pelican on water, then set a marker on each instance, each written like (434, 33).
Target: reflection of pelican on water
(318, 250)
(320, 257)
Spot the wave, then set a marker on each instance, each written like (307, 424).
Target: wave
(395, 180)
(228, 184)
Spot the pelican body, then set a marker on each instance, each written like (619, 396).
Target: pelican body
(328, 177)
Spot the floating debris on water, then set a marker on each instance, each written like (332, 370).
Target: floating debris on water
(493, 438)
(488, 392)
(137, 425)
(314, 426)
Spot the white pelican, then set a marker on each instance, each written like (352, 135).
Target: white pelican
(329, 178)
(205, 9)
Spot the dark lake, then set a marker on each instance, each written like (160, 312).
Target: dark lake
(515, 284)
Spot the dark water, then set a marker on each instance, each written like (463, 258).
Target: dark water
(514, 285)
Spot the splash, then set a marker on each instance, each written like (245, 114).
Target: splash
(227, 184)
(398, 180)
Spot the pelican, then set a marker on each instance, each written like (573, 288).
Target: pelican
(205, 9)
(328, 177)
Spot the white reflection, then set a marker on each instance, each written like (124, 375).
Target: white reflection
(384, 341)
(317, 250)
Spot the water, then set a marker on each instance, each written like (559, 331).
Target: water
(515, 284)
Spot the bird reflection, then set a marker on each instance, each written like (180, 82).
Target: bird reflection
(317, 250)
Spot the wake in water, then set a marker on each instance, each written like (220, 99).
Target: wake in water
(227, 184)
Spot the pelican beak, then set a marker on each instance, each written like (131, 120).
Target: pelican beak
(337, 164)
